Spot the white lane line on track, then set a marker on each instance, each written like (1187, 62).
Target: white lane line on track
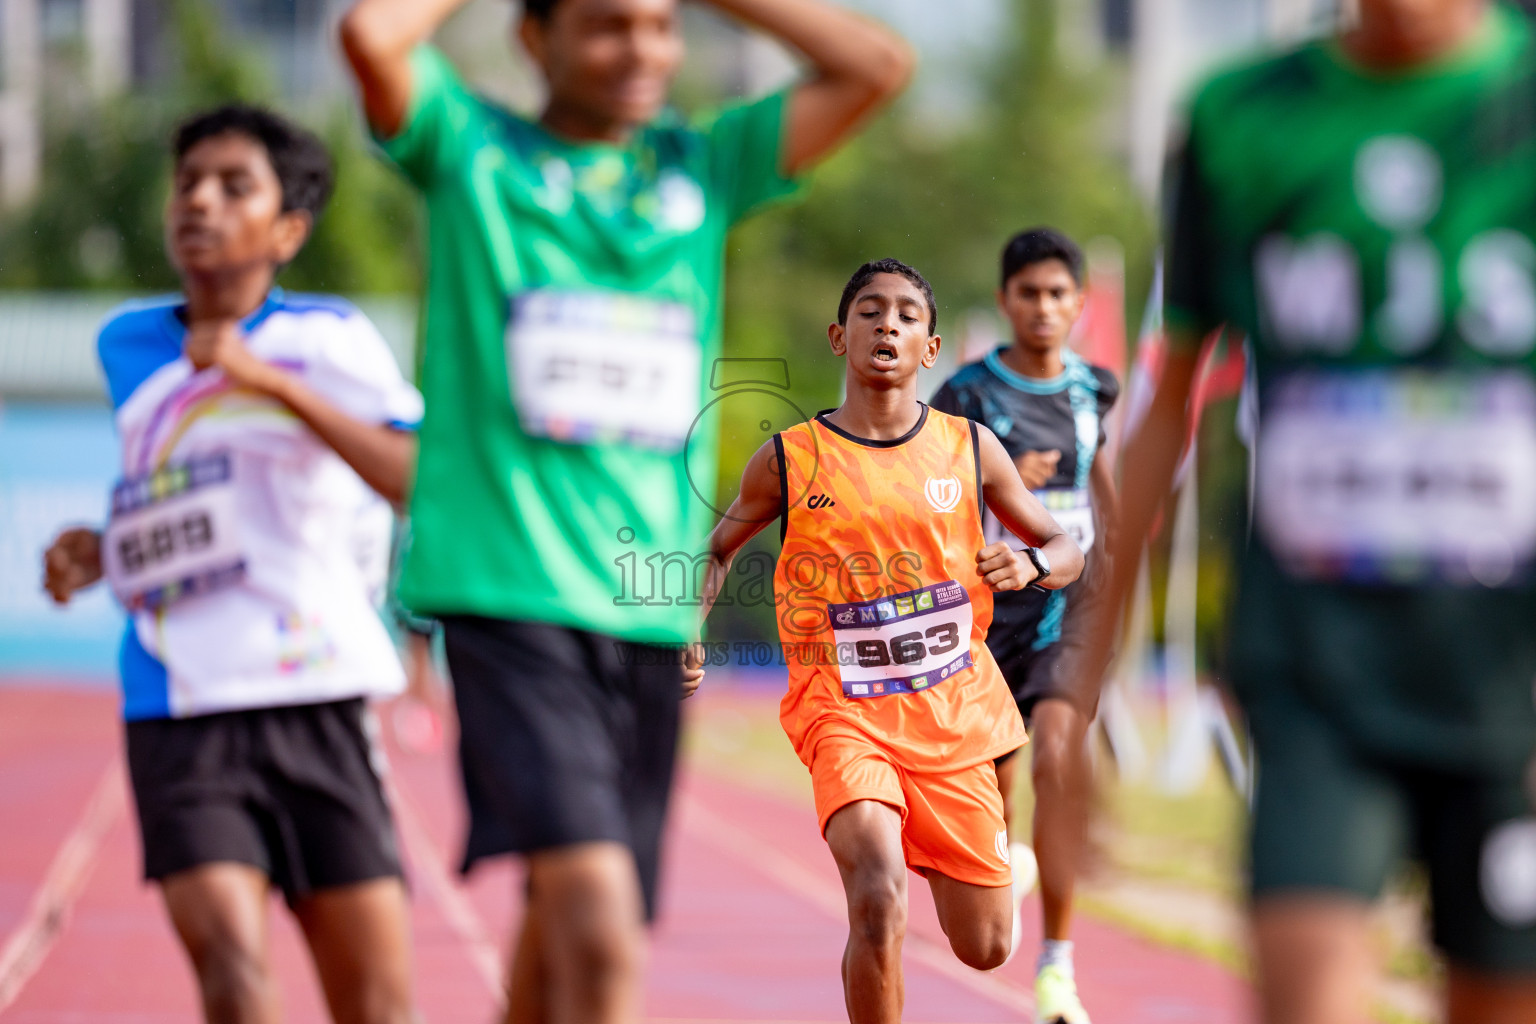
(429, 863)
(29, 944)
(711, 828)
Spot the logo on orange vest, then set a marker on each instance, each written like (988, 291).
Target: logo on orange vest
(819, 501)
(943, 494)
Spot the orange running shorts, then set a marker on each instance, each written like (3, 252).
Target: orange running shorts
(951, 822)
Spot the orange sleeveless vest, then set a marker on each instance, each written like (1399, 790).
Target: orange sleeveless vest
(882, 613)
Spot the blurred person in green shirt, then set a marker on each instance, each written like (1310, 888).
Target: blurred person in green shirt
(575, 269)
(1363, 211)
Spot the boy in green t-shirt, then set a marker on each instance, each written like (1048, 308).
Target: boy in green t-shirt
(572, 312)
(1359, 209)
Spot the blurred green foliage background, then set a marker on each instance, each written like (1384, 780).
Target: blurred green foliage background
(943, 194)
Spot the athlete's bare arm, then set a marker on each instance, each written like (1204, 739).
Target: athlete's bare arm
(1020, 511)
(384, 457)
(1150, 458)
(757, 504)
(1106, 499)
(378, 36)
(857, 66)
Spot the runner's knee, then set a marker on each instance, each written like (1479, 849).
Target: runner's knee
(590, 913)
(232, 977)
(877, 908)
(383, 1000)
(983, 947)
(1057, 752)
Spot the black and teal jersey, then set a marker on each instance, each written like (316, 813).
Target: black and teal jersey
(1064, 413)
(1373, 236)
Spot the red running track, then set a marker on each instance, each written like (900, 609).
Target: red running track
(752, 922)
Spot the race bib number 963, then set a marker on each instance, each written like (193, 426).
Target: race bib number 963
(904, 643)
(1401, 477)
(173, 534)
(605, 367)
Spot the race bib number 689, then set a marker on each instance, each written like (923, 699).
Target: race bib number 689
(173, 534)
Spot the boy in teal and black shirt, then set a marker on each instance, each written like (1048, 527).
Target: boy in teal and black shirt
(1047, 406)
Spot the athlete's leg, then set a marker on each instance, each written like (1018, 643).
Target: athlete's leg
(590, 932)
(1009, 770)
(359, 936)
(220, 913)
(977, 919)
(1314, 958)
(1476, 998)
(865, 837)
(527, 982)
(1061, 773)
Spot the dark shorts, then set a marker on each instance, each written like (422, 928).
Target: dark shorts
(1329, 817)
(1040, 643)
(566, 737)
(293, 791)
(1394, 725)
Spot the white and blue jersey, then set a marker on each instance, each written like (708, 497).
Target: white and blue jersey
(246, 550)
(1064, 413)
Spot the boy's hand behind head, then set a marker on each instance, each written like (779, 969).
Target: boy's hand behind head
(1004, 568)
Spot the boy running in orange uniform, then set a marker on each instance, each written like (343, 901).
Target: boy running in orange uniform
(884, 589)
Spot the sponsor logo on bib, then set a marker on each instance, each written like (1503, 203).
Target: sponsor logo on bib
(943, 494)
(903, 643)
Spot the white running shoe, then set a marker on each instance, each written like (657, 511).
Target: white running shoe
(1056, 999)
(1026, 872)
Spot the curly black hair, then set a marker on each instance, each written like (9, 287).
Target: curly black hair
(300, 160)
(867, 273)
(1038, 245)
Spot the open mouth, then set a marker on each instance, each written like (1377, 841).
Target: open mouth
(885, 354)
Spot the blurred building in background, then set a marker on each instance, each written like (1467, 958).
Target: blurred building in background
(58, 55)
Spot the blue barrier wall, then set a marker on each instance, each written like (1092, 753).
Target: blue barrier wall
(57, 463)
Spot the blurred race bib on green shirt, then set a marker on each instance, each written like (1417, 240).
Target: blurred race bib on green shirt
(1400, 477)
(600, 367)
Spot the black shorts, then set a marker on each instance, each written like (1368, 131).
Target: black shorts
(1039, 641)
(1389, 725)
(1331, 817)
(565, 737)
(294, 791)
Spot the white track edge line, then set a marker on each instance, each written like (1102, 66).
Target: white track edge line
(32, 940)
(461, 917)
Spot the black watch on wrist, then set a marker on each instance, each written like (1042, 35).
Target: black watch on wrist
(1042, 566)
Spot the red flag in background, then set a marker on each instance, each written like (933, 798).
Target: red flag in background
(1219, 375)
(1099, 335)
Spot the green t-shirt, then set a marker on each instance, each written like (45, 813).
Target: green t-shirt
(572, 315)
(1374, 236)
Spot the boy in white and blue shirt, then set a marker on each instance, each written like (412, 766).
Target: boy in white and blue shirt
(260, 433)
